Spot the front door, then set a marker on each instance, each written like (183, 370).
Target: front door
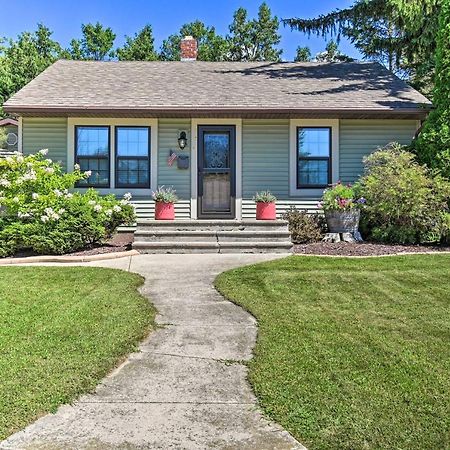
(216, 171)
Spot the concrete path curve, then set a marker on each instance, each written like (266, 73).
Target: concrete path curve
(182, 390)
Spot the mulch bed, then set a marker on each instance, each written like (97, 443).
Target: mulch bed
(120, 242)
(362, 249)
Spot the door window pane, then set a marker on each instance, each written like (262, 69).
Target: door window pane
(216, 150)
(133, 156)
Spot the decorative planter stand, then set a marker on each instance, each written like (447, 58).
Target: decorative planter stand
(343, 226)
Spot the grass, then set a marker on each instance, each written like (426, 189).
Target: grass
(351, 353)
(61, 331)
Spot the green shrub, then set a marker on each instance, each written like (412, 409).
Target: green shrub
(165, 195)
(405, 202)
(264, 197)
(305, 228)
(40, 213)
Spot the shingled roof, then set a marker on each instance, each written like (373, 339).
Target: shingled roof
(242, 89)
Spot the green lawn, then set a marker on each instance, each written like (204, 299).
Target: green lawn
(61, 331)
(352, 353)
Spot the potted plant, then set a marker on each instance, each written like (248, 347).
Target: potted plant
(342, 208)
(265, 205)
(164, 203)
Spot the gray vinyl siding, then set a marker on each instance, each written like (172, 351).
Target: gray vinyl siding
(265, 157)
(358, 138)
(168, 134)
(50, 133)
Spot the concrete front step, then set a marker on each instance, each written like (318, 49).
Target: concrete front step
(216, 225)
(157, 235)
(212, 236)
(212, 247)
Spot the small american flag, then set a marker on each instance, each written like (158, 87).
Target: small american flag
(172, 157)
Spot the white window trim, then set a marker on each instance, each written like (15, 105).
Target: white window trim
(294, 123)
(72, 122)
(194, 161)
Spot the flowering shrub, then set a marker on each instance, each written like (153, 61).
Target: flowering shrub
(406, 202)
(341, 197)
(38, 212)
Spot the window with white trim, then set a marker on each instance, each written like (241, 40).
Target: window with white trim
(92, 153)
(132, 157)
(313, 157)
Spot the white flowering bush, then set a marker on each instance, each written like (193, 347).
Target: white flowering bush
(39, 211)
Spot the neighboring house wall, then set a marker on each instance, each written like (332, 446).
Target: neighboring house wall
(358, 138)
(50, 133)
(15, 130)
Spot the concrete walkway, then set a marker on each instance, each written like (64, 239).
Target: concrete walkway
(182, 390)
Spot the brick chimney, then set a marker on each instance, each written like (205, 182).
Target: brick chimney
(188, 49)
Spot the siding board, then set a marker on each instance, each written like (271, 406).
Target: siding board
(265, 158)
(358, 138)
(51, 133)
(168, 134)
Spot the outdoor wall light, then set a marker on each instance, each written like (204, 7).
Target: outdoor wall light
(182, 140)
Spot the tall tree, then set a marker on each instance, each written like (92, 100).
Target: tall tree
(332, 54)
(433, 143)
(303, 54)
(138, 48)
(398, 33)
(23, 59)
(96, 43)
(211, 46)
(254, 40)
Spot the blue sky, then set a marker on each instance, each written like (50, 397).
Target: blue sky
(126, 17)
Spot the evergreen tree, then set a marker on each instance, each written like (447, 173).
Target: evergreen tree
(398, 33)
(332, 54)
(138, 48)
(254, 40)
(433, 143)
(96, 43)
(211, 46)
(303, 54)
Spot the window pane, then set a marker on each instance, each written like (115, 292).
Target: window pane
(314, 172)
(133, 172)
(92, 141)
(99, 169)
(313, 142)
(132, 141)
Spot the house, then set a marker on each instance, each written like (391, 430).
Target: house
(216, 131)
(11, 127)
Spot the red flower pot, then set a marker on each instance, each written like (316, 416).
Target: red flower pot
(266, 211)
(164, 211)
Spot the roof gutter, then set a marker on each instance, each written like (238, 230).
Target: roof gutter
(57, 111)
